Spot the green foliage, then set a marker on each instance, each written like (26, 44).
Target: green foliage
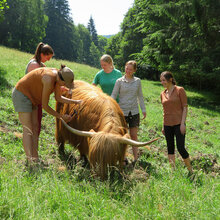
(3, 5)
(84, 45)
(28, 22)
(122, 47)
(113, 47)
(24, 24)
(94, 55)
(181, 36)
(102, 43)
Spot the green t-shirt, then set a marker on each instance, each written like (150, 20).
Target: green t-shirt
(107, 80)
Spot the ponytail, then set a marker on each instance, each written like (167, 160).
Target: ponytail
(44, 49)
(168, 75)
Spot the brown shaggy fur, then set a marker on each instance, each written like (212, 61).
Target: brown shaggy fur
(98, 112)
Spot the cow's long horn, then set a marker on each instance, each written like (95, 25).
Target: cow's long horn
(135, 143)
(78, 132)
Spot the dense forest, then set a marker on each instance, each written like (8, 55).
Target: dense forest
(182, 36)
(25, 23)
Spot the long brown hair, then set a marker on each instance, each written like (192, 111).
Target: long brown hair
(44, 49)
(168, 75)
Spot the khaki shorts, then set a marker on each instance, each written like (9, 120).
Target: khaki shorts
(21, 102)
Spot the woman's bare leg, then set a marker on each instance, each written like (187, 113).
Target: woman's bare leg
(171, 158)
(133, 134)
(30, 134)
(35, 129)
(25, 119)
(188, 164)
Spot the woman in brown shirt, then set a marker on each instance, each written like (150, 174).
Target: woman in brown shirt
(33, 89)
(174, 102)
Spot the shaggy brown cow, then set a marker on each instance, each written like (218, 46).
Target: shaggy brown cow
(98, 128)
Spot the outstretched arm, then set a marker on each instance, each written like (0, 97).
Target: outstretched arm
(47, 89)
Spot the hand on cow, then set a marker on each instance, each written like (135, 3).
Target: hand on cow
(63, 89)
(66, 117)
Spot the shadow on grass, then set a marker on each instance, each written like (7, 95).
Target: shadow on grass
(201, 99)
(205, 102)
(4, 84)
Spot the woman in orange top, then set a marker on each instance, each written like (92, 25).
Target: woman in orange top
(174, 102)
(33, 89)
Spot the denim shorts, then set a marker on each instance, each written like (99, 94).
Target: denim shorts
(133, 120)
(21, 102)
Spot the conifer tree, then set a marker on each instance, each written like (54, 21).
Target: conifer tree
(60, 32)
(92, 31)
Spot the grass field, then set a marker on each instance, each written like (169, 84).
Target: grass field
(150, 191)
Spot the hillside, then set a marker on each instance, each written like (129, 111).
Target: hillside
(150, 191)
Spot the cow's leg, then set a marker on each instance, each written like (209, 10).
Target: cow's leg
(85, 162)
(59, 138)
(61, 144)
(61, 148)
(67, 158)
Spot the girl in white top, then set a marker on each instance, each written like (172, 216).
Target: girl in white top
(130, 93)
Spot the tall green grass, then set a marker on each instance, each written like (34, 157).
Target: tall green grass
(150, 191)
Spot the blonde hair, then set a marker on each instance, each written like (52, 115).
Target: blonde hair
(133, 63)
(107, 58)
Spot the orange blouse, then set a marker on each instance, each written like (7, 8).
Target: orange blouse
(31, 84)
(173, 106)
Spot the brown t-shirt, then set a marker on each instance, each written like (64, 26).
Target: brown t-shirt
(173, 106)
(31, 84)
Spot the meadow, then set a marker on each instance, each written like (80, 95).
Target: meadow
(150, 190)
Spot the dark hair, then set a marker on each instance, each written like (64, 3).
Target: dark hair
(44, 49)
(133, 63)
(168, 75)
